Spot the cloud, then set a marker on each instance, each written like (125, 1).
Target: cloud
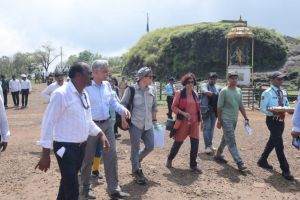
(110, 27)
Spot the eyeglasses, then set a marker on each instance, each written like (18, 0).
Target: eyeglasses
(149, 76)
(84, 101)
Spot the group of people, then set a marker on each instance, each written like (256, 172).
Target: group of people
(15, 87)
(220, 107)
(77, 124)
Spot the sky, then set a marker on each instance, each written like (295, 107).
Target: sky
(111, 27)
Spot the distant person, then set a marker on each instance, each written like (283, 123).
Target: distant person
(122, 87)
(59, 81)
(25, 90)
(4, 130)
(49, 79)
(153, 85)
(186, 107)
(66, 125)
(5, 89)
(143, 117)
(209, 100)
(229, 104)
(275, 96)
(15, 88)
(170, 92)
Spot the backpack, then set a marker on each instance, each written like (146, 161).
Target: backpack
(129, 107)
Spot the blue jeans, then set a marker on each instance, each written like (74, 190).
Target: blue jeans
(137, 155)
(208, 128)
(228, 139)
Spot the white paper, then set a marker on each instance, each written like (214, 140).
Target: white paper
(60, 152)
(248, 129)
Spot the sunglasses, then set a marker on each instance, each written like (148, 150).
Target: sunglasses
(279, 79)
(190, 82)
(149, 76)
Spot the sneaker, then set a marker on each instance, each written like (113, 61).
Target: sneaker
(196, 170)
(139, 177)
(88, 193)
(213, 148)
(264, 165)
(220, 159)
(241, 166)
(208, 150)
(169, 163)
(96, 174)
(288, 176)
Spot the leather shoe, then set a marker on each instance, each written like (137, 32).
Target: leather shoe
(119, 195)
(264, 165)
(288, 176)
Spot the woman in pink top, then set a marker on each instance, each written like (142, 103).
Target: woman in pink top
(188, 118)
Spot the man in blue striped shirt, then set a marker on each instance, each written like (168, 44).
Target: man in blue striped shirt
(102, 98)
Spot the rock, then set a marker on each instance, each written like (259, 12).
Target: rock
(259, 185)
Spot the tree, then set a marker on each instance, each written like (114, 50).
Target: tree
(45, 56)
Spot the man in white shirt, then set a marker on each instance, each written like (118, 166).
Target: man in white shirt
(296, 119)
(59, 81)
(66, 125)
(15, 88)
(102, 99)
(25, 90)
(4, 131)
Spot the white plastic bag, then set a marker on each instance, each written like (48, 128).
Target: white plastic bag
(159, 135)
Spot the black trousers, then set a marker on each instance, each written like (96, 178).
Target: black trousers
(15, 97)
(116, 128)
(5, 92)
(69, 166)
(193, 153)
(276, 129)
(169, 101)
(24, 93)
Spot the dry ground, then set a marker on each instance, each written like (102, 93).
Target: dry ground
(19, 180)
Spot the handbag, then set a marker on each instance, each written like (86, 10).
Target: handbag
(170, 124)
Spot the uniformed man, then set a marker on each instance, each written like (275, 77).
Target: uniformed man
(275, 96)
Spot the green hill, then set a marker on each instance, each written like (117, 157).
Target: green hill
(200, 48)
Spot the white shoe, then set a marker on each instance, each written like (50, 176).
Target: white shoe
(213, 148)
(208, 150)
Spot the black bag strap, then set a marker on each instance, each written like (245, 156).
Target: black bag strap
(130, 103)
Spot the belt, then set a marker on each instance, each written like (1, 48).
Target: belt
(100, 121)
(79, 144)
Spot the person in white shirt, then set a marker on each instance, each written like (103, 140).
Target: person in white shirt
(4, 130)
(15, 88)
(1, 94)
(25, 90)
(66, 125)
(59, 81)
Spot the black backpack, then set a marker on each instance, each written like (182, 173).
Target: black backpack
(129, 107)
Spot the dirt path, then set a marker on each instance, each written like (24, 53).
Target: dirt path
(19, 180)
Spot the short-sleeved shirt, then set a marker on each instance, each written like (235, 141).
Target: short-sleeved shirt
(230, 101)
(144, 104)
(269, 98)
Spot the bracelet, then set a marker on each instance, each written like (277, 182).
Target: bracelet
(154, 120)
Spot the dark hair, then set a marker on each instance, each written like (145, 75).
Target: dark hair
(76, 68)
(186, 77)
